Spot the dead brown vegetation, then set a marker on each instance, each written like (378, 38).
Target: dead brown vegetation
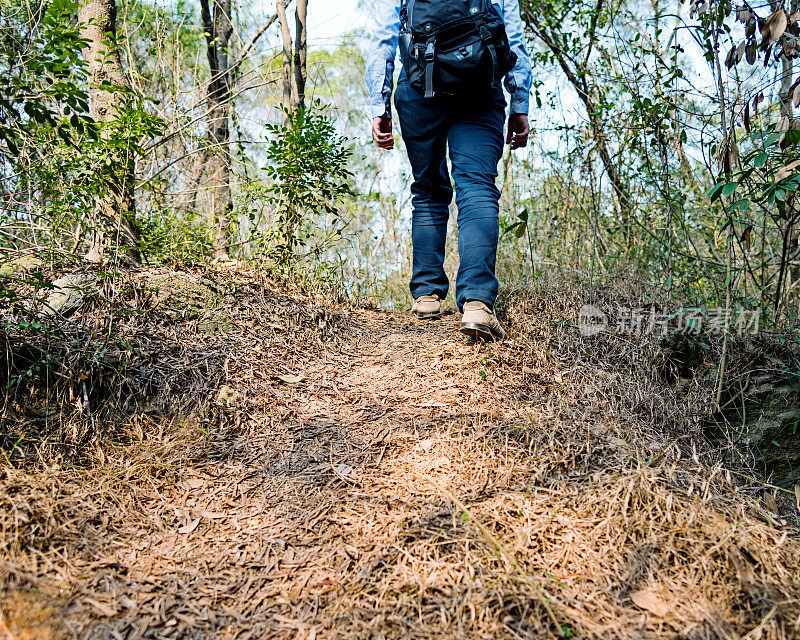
(298, 473)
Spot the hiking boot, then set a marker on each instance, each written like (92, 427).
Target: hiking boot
(479, 321)
(427, 307)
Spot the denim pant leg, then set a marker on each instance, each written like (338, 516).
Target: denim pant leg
(476, 146)
(424, 124)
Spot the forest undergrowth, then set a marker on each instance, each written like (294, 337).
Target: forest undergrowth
(250, 461)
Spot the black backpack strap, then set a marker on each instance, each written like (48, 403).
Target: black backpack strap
(495, 66)
(406, 11)
(430, 62)
(486, 38)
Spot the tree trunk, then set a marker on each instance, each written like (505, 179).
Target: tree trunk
(219, 29)
(116, 208)
(286, 69)
(300, 53)
(293, 84)
(787, 69)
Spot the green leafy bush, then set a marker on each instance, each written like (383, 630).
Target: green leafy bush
(308, 167)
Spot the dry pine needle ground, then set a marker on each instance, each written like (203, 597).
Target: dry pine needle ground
(309, 472)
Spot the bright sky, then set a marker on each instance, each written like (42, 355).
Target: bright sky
(328, 20)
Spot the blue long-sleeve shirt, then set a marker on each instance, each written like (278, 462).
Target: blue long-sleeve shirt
(383, 51)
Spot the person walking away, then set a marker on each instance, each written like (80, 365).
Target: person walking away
(448, 97)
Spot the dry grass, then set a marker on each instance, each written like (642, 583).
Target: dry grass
(318, 473)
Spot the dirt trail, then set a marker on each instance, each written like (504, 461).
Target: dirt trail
(313, 498)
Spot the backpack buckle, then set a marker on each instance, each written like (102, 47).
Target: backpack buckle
(430, 51)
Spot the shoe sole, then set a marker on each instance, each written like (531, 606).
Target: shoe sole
(482, 331)
(430, 315)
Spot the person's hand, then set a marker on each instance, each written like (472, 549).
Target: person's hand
(518, 131)
(382, 132)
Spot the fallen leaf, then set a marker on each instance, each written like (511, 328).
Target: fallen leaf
(191, 526)
(797, 496)
(291, 379)
(743, 570)
(213, 515)
(343, 470)
(771, 503)
(103, 609)
(648, 600)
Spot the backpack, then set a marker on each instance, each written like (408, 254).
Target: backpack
(453, 47)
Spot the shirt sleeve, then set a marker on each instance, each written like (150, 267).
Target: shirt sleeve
(519, 80)
(381, 57)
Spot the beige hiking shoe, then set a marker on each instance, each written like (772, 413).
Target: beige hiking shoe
(479, 321)
(427, 307)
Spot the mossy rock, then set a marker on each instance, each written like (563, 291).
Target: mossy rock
(215, 322)
(69, 292)
(23, 264)
(182, 295)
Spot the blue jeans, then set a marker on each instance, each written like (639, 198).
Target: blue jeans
(473, 131)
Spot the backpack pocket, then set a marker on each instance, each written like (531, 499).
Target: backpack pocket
(464, 69)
